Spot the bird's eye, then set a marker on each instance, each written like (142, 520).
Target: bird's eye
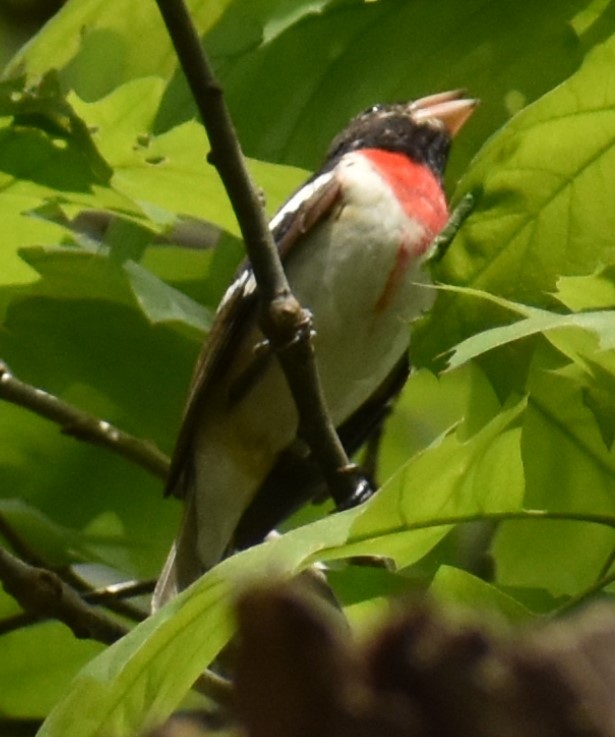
(374, 108)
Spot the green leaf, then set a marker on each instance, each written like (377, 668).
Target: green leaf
(561, 330)
(43, 107)
(272, 48)
(127, 146)
(161, 303)
(73, 274)
(37, 663)
(567, 468)
(428, 407)
(543, 189)
(365, 593)
(490, 47)
(167, 174)
(454, 476)
(139, 680)
(50, 541)
(46, 160)
(112, 690)
(93, 45)
(590, 292)
(454, 587)
(598, 391)
(92, 42)
(34, 163)
(167, 171)
(84, 350)
(70, 273)
(567, 444)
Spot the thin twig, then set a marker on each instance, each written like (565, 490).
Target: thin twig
(81, 425)
(120, 591)
(284, 322)
(457, 218)
(114, 597)
(111, 598)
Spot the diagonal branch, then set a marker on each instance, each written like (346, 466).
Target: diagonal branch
(112, 597)
(43, 595)
(42, 592)
(285, 323)
(81, 425)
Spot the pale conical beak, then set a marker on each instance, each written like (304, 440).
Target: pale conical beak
(451, 108)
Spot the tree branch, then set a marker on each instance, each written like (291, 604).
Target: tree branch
(18, 622)
(112, 597)
(284, 322)
(81, 425)
(43, 595)
(42, 592)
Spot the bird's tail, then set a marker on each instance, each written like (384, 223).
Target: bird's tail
(182, 566)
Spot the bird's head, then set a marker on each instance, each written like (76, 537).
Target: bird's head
(421, 129)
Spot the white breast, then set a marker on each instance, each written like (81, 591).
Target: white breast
(341, 277)
(358, 343)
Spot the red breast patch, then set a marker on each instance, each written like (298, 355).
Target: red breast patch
(416, 187)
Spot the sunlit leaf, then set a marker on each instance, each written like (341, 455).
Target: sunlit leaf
(543, 189)
(590, 292)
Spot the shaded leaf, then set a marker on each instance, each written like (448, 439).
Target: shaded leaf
(162, 303)
(452, 586)
(567, 468)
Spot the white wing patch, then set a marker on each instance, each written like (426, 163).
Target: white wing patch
(245, 282)
(301, 195)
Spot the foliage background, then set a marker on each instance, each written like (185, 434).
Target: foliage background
(108, 312)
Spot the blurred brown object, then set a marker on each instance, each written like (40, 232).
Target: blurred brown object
(422, 675)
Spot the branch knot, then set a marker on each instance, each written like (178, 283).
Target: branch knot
(286, 322)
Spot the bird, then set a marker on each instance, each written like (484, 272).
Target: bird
(353, 240)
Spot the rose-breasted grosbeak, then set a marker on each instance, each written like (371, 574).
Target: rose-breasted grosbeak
(353, 241)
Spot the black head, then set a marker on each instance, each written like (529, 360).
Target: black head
(422, 130)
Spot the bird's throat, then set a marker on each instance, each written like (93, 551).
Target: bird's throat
(417, 188)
